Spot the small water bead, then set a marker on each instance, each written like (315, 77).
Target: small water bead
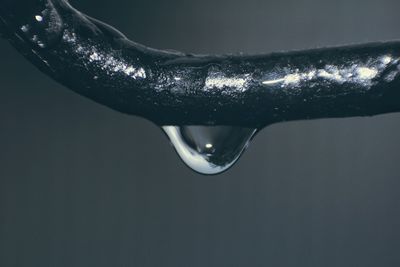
(39, 18)
(209, 149)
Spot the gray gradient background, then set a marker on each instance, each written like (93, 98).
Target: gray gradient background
(82, 185)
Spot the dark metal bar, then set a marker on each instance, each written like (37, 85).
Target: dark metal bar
(97, 61)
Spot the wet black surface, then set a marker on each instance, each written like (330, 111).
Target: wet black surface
(171, 88)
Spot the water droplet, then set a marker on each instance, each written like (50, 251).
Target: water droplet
(209, 149)
(39, 18)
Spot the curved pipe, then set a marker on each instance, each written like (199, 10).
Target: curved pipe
(97, 61)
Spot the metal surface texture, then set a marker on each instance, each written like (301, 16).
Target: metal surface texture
(172, 88)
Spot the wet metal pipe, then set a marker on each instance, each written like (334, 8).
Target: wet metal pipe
(95, 60)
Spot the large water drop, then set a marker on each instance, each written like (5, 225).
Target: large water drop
(209, 149)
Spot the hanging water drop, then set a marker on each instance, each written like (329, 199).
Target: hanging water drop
(209, 149)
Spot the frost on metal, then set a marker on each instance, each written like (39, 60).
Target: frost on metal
(359, 74)
(220, 81)
(107, 61)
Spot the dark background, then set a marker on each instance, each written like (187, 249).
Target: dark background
(82, 185)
